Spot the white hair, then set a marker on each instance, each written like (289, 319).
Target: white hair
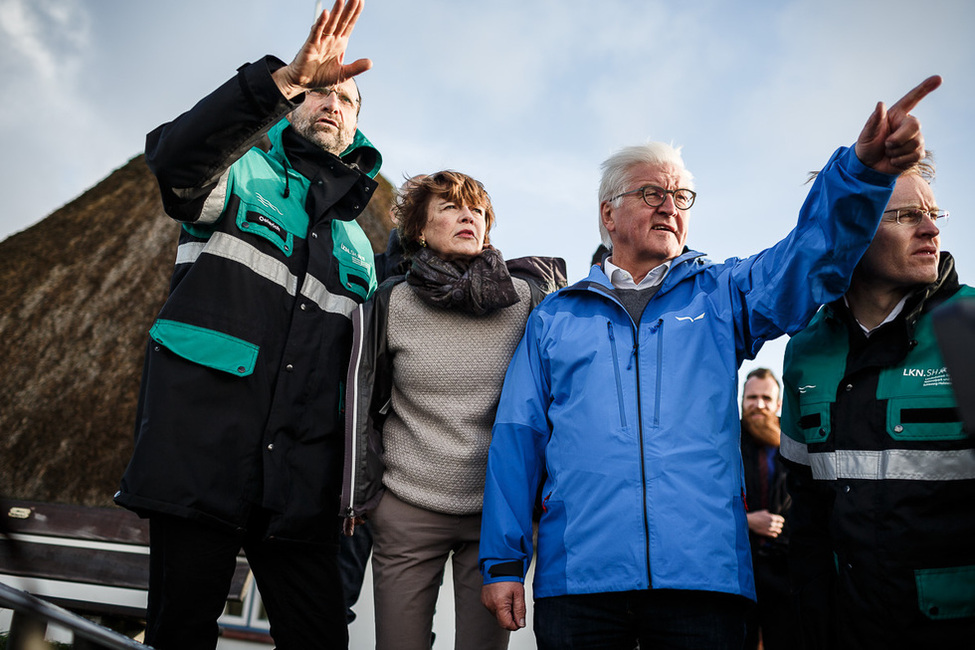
(616, 173)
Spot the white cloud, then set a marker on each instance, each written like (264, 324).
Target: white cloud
(47, 35)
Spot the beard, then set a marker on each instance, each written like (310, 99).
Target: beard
(306, 125)
(764, 429)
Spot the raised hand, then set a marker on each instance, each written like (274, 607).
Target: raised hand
(319, 61)
(891, 140)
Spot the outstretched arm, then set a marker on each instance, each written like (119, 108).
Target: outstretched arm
(891, 140)
(319, 61)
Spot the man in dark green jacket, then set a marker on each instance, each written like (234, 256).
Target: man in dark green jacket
(882, 475)
(238, 435)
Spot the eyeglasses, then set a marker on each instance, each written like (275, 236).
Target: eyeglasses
(913, 216)
(342, 96)
(654, 196)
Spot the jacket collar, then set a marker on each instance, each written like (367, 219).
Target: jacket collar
(920, 301)
(688, 264)
(361, 154)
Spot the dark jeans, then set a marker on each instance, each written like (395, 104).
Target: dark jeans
(776, 614)
(190, 569)
(656, 618)
(353, 558)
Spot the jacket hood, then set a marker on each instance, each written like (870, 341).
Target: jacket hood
(928, 297)
(361, 154)
(548, 272)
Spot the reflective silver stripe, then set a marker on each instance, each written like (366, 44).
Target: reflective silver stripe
(231, 248)
(213, 205)
(314, 290)
(893, 464)
(793, 450)
(187, 253)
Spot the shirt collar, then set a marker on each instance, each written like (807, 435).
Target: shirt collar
(622, 279)
(894, 313)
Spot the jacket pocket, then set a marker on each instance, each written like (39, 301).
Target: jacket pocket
(946, 593)
(256, 221)
(924, 418)
(814, 418)
(616, 369)
(206, 347)
(353, 252)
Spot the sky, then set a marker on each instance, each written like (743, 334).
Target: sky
(528, 96)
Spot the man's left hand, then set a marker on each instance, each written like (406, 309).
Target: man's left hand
(891, 140)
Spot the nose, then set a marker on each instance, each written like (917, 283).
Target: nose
(928, 228)
(669, 206)
(466, 215)
(331, 102)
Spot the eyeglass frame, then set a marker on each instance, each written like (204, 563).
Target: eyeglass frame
(938, 214)
(325, 91)
(664, 192)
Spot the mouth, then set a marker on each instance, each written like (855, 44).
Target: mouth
(328, 122)
(926, 251)
(664, 228)
(466, 234)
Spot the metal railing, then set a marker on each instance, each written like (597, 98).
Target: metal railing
(32, 615)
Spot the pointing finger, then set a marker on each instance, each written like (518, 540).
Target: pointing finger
(907, 103)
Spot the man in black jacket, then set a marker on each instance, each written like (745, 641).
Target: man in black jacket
(238, 434)
(767, 505)
(881, 471)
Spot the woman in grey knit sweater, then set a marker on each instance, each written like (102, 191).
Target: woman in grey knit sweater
(429, 357)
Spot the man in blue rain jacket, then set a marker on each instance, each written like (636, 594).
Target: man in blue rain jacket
(621, 404)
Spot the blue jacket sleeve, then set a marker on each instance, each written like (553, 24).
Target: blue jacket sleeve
(778, 290)
(515, 462)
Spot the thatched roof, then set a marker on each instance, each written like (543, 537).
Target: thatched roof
(78, 292)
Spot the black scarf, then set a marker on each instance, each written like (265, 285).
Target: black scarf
(477, 286)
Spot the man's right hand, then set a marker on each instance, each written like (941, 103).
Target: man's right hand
(506, 600)
(764, 523)
(319, 61)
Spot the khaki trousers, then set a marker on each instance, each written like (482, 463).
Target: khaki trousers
(411, 548)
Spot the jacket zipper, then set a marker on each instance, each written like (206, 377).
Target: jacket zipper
(352, 391)
(639, 415)
(616, 368)
(643, 456)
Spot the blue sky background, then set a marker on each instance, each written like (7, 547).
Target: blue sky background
(527, 96)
